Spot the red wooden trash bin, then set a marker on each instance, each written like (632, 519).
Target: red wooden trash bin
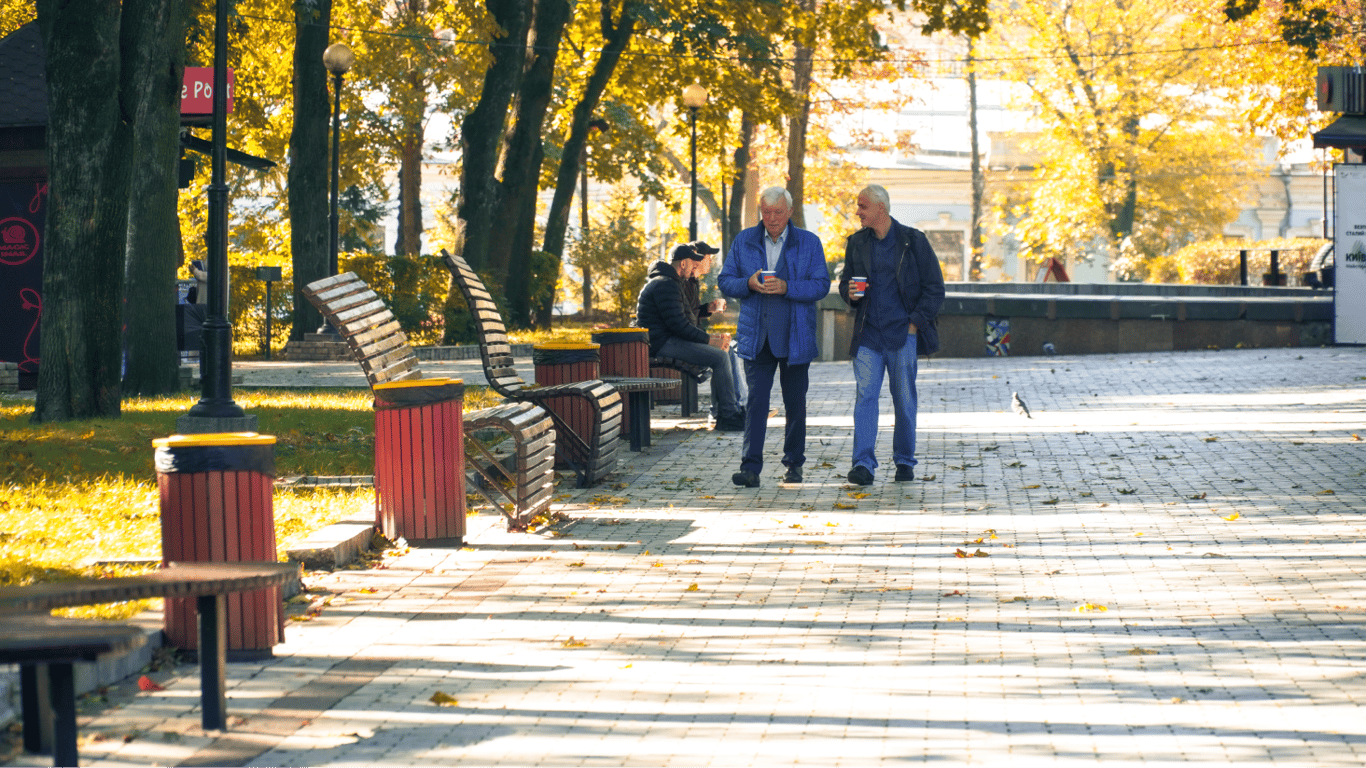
(217, 507)
(420, 460)
(564, 363)
(624, 353)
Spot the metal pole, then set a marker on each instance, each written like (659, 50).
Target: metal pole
(334, 220)
(268, 319)
(216, 383)
(1242, 267)
(692, 226)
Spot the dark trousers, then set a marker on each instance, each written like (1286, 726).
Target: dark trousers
(794, 380)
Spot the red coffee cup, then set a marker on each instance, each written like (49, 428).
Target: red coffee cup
(767, 275)
(858, 284)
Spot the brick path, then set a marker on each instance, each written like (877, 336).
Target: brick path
(1171, 570)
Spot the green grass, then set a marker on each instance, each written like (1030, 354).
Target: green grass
(77, 494)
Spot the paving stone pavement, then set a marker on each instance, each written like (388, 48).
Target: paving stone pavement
(1163, 566)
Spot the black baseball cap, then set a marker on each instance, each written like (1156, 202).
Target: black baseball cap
(686, 251)
(701, 247)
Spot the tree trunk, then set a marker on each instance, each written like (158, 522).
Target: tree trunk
(154, 35)
(481, 138)
(481, 133)
(796, 130)
(616, 37)
(737, 190)
(309, 170)
(409, 240)
(510, 255)
(89, 144)
(979, 181)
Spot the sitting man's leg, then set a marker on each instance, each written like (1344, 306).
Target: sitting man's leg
(730, 414)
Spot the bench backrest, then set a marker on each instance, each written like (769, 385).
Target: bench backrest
(494, 347)
(370, 329)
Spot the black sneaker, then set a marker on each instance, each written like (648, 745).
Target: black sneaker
(904, 473)
(733, 423)
(794, 475)
(860, 476)
(745, 479)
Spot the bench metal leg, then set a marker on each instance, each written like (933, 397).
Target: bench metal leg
(213, 657)
(639, 404)
(688, 399)
(63, 680)
(35, 698)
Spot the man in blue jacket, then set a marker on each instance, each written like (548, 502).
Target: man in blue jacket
(776, 331)
(895, 320)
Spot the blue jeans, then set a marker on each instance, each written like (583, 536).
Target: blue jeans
(722, 380)
(901, 368)
(794, 381)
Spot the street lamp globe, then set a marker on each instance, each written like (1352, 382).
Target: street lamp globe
(338, 58)
(694, 96)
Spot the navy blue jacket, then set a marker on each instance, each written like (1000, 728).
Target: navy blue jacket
(802, 265)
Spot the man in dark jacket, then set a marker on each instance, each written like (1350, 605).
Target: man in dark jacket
(662, 309)
(892, 278)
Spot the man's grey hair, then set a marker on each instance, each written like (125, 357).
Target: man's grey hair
(877, 194)
(770, 196)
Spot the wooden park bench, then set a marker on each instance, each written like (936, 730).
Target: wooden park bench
(30, 637)
(689, 377)
(591, 456)
(523, 490)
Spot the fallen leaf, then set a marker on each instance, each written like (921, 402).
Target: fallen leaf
(1198, 496)
(832, 525)
(572, 643)
(146, 683)
(691, 587)
(1127, 491)
(1141, 652)
(1233, 516)
(1030, 487)
(959, 553)
(795, 525)
(842, 505)
(955, 593)
(980, 553)
(1051, 501)
(1088, 607)
(576, 565)
(1325, 492)
(1211, 439)
(442, 699)
(858, 495)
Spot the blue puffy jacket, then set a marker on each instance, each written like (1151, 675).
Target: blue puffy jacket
(802, 265)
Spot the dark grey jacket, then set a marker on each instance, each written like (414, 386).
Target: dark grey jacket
(920, 282)
(660, 308)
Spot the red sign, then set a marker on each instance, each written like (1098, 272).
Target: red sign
(196, 95)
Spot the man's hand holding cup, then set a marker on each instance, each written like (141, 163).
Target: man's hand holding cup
(857, 287)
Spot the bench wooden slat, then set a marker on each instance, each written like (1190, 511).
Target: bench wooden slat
(175, 580)
(390, 330)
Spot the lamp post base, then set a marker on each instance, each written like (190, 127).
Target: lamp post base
(199, 425)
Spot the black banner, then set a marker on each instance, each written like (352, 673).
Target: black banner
(23, 207)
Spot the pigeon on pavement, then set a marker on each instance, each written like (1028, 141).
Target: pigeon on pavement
(1017, 405)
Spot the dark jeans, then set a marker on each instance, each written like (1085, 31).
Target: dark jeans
(794, 380)
(718, 360)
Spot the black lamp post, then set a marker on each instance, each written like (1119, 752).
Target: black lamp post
(216, 411)
(694, 97)
(338, 59)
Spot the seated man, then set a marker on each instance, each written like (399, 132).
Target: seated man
(662, 308)
(699, 313)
